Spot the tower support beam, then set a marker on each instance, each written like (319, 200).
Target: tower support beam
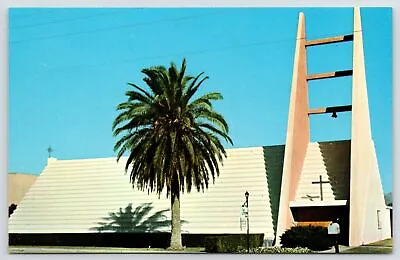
(327, 110)
(327, 75)
(343, 38)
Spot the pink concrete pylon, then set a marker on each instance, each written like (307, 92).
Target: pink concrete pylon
(298, 132)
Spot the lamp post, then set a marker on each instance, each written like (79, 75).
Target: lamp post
(248, 226)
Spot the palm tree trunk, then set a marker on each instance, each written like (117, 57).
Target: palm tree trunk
(176, 238)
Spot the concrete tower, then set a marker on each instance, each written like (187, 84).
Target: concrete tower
(346, 172)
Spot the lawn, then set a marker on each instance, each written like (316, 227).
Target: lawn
(386, 242)
(369, 250)
(380, 247)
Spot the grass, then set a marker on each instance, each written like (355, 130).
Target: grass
(386, 242)
(379, 247)
(368, 250)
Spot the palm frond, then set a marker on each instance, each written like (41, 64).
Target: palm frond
(147, 94)
(172, 139)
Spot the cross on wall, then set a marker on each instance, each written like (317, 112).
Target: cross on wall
(320, 182)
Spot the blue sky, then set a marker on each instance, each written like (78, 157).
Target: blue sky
(68, 69)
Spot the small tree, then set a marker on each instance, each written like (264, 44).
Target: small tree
(388, 199)
(11, 209)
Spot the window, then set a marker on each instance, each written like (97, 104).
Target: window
(378, 214)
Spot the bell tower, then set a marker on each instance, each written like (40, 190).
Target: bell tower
(359, 197)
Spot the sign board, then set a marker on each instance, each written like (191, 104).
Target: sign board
(244, 218)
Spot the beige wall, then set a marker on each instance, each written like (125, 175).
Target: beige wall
(331, 160)
(375, 201)
(18, 185)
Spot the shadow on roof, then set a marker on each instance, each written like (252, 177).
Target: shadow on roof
(136, 220)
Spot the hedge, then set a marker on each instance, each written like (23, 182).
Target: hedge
(277, 250)
(232, 243)
(315, 238)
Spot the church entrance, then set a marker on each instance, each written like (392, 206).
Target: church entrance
(322, 216)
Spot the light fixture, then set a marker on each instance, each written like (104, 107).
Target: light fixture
(334, 115)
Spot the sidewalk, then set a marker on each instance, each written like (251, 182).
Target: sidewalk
(332, 250)
(94, 250)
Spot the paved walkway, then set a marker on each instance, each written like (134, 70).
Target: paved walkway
(60, 250)
(332, 250)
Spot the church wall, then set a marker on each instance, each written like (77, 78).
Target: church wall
(377, 217)
(18, 185)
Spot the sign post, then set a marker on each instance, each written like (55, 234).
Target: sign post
(244, 219)
(248, 224)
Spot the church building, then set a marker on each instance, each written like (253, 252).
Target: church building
(300, 182)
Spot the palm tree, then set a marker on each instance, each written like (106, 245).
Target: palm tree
(172, 137)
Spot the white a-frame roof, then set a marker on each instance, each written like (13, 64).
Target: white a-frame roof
(92, 195)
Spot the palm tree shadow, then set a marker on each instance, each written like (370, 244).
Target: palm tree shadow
(134, 221)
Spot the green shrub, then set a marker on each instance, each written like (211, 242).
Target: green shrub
(276, 250)
(315, 238)
(231, 243)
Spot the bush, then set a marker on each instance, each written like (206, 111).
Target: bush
(231, 243)
(315, 238)
(11, 209)
(276, 250)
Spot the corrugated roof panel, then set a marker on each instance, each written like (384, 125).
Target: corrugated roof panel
(92, 195)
